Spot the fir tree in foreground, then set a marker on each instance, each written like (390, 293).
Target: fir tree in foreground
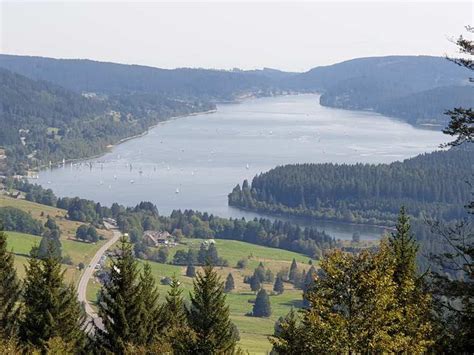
(412, 301)
(50, 308)
(9, 290)
(174, 323)
(120, 306)
(229, 283)
(262, 307)
(287, 337)
(150, 311)
(209, 315)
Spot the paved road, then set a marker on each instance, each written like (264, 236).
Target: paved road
(89, 271)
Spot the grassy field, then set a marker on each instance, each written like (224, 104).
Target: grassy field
(253, 331)
(21, 243)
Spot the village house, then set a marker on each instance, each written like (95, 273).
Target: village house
(157, 238)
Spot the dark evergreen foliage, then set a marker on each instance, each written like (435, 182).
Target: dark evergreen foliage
(364, 193)
(262, 307)
(191, 270)
(174, 320)
(10, 290)
(50, 307)
(279, 287)
(229, 283)
(14, 219)
(120, 305)
(209, 315)
(293, 271)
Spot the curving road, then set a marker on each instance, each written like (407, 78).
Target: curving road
(89, 271)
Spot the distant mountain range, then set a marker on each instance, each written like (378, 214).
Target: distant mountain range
(69, 108)
(111, 78)
(417, 89)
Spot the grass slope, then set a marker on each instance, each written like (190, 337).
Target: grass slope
(253, 331)
(21, 243)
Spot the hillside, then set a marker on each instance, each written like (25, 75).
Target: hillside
(112, 78)
(363, 193)
(22, 243)
(382, 84)
(416, 89)
(43, 122)
(253, 331)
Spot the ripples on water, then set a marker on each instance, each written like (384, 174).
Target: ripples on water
(194, 162)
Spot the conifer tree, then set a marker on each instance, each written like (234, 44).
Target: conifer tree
(212, 257)
(229, 283)
(10, 290)
(255, 284)
(293, 270)
(262, 307)
(191, 271)
(259, 273)
(209, 315)
(50, 307)
(50, 243)
(202, 255)
(287, 337)
(412, 300)
(120, 305)
(173, 320)
(309, 279)
(279, 287)
(150, 312)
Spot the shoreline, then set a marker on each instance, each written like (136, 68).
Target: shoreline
(109, 147)
(311, 219)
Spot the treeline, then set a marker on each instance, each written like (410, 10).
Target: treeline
(363, 193)
(14, 219)
(43, 122)
(118, 79)
(192, 224)
(42, 313)
(188, 223)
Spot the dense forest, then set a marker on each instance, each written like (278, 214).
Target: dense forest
(112, 78)
(416, 89)
(43, 122)
(364, 193)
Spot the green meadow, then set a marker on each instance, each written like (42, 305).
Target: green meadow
(254, 331)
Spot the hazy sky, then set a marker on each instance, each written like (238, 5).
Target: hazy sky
(286, 35)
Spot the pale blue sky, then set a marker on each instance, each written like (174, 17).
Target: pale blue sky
(287, 35)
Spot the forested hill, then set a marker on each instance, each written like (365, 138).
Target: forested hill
(364, 193)
(41, 121)
(417, 89)
(112, 78)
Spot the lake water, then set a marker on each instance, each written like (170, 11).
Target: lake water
(194, 162)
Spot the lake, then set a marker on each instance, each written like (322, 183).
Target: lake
(194, 162)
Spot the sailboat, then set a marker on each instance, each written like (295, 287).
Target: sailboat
(247, 167)
(177, 191)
